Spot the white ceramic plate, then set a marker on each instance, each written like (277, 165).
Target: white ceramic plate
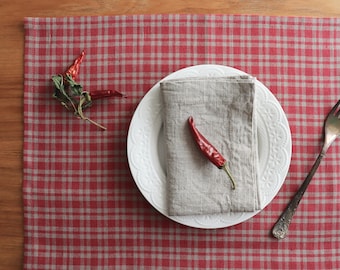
(145, 148)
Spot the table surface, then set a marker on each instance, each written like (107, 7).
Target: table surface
(11, 70)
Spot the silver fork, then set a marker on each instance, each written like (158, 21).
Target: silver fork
(331, 132)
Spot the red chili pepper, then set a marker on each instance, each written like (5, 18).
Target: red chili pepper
(73, 70)
(105, 93)
(209, 150)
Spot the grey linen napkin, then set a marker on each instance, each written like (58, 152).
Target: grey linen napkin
(224, 112)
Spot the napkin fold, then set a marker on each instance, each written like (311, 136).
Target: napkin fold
(224, 112)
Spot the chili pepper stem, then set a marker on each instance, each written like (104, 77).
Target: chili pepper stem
(226, 169)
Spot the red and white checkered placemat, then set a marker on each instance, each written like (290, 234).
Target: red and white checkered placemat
(82, 208)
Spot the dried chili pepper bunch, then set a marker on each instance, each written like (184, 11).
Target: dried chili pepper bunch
(210, 151)
(72, 95)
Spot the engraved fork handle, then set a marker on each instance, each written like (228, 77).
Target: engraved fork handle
(280, 228)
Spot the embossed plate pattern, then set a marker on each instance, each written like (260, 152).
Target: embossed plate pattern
(146, 153)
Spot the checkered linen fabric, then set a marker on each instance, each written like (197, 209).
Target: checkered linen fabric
(82, 208)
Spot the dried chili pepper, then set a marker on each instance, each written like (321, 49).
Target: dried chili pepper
(98, 94)
(210, 151)
(73, 70)
(71, 94)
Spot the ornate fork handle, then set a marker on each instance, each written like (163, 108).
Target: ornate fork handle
(280, 229)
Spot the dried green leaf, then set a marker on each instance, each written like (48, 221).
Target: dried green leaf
(71, 95)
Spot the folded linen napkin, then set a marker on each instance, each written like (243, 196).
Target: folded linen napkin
(224, 112)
